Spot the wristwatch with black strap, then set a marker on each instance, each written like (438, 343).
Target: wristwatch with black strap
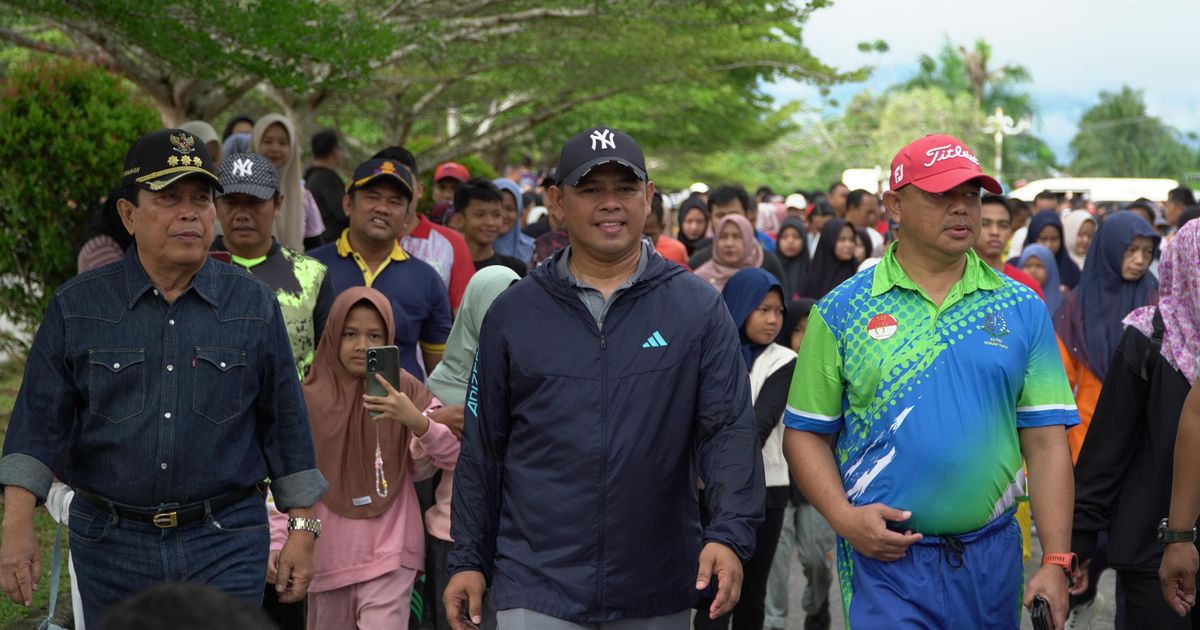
(310, 525)
(1168, 536)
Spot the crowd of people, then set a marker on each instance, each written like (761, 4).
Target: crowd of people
(615, 407)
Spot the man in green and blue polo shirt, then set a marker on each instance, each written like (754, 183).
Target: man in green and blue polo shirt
(367, 254)
(938, 376)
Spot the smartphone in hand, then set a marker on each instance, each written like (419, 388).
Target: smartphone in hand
(383, 360)
(1039, 612)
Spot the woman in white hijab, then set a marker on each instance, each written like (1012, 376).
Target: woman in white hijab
(299, 222)
(1078, 228)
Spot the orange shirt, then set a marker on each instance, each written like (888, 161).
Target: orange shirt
(1087, 391)
(673, 250)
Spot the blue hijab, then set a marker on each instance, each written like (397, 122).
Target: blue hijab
(514, 242)
(1089, 320)
(1068, 271)
(743, 292)
(1051, 287)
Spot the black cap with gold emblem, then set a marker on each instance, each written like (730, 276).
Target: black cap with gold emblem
(372, 170)
(161, 158)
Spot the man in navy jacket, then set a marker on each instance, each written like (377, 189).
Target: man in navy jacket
(606, 383)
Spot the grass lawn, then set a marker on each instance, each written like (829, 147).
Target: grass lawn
(10, 382)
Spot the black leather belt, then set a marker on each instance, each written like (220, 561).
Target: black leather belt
(172, 517)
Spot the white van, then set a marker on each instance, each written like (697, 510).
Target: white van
(1100, 189)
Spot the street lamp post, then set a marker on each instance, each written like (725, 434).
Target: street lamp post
(1000, 125)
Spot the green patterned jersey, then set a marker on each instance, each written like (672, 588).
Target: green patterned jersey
(928, 399)
(304, 291)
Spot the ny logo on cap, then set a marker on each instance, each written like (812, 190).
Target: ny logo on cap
(606, 139)
(243, 167)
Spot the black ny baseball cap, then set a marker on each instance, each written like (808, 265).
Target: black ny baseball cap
(248, 173)
(372, 170)
(161, 158)
(599, 145)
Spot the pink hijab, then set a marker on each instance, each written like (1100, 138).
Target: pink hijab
(1178, 301)
(718, 271)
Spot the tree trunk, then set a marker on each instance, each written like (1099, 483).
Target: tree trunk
(172, 114)
(496, 157)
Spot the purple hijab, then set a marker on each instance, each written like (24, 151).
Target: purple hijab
(1178, 301)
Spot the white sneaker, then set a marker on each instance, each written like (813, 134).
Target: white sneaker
(1082, 615)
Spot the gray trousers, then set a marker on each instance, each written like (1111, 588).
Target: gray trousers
(525, 619)
(807, 533)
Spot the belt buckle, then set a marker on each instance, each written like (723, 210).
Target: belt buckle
(166, 520)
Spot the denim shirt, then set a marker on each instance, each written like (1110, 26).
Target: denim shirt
(155, 403)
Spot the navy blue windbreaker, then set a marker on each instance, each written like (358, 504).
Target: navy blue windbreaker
(575, 491)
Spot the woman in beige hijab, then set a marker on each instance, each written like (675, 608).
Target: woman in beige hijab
(299, 225)
(207, 135)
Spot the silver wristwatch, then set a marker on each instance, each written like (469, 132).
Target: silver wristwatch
(311, 525)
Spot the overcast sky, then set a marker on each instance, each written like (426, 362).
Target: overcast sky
(1073, 48)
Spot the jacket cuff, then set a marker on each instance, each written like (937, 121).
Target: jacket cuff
(26, 471)
(720, 538)
(298, 490)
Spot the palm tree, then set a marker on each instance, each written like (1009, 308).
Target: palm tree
(957, 69)
(992, 82)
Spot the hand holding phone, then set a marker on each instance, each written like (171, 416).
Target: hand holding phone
(385, 361)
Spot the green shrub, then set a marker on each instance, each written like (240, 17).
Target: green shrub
(64, 130)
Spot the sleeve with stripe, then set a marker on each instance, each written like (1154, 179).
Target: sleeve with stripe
(815, 399)
(1046, 397)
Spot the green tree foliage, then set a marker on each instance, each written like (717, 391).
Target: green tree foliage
(1117, 138)
(66, 127)
(454, 78)
(957, 69)
(915, 112)
(874, 126)
(818, 152)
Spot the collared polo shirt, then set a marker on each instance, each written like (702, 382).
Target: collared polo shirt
(591, 297)
(928, 399)
(445, 251)
(345, 250)
(418, 297)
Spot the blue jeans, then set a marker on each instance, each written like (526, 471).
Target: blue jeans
(115, 557)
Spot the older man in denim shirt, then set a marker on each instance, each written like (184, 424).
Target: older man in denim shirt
(164, 385)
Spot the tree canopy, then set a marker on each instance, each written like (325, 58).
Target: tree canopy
(452, 78)
(951, 92)
(1118, 138)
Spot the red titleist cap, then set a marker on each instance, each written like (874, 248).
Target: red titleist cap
(453, 170)
(936, 164)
